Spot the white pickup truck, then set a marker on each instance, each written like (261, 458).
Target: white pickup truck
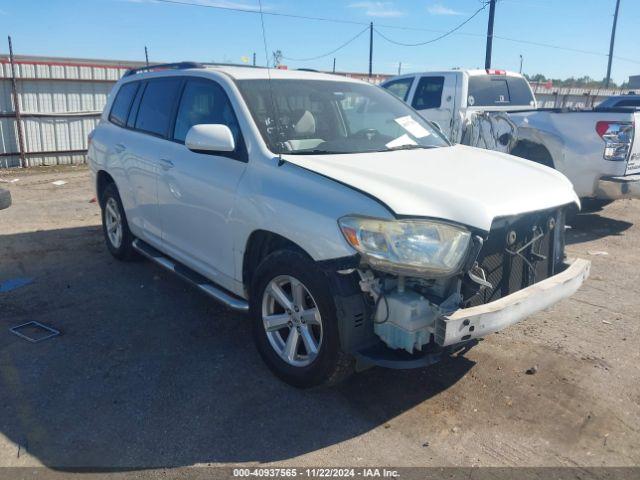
(598, 150)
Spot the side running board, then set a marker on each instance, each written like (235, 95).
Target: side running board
(217, 293)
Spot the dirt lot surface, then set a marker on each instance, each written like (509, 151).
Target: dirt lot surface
(149, 372)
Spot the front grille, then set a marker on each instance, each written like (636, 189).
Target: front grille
(511, 267)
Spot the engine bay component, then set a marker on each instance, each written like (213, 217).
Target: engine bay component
(405, 319)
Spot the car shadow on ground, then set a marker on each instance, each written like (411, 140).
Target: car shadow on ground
(586, 227)
(150, 373)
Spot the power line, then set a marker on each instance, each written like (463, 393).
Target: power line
(330, 52)
(558, 47)
(254, 11)
(396, 27)
(445, 34)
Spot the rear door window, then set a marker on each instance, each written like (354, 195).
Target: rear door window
(157, 106)
(400, 88)
(428, 93)
(122, 103)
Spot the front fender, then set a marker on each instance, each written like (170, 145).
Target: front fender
(299, 205)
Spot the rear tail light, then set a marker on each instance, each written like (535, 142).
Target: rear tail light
(617, 137)
(496, 72)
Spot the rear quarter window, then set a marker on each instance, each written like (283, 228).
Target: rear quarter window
(498, 91)
(122, 103)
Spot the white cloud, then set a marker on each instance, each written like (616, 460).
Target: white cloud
(378, 9)
(440, 9)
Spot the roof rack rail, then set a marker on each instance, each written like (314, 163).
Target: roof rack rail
(307, 70)
(243, 65)
(164, 66)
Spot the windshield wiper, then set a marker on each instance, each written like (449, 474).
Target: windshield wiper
(408, 146)
(317, 152)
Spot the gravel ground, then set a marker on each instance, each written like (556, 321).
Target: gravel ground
(149, 372)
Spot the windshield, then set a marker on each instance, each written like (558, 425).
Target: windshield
(326, 117)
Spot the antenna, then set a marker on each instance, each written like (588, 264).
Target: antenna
(273, 103)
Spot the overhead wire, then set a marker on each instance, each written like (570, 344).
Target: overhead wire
(261, 12)
(330, 52)
(445, 34)
(440, 37)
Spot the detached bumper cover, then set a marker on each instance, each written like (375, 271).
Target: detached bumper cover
(613, 188)
(476, 322)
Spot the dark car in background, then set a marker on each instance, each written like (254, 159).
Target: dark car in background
(631, 101)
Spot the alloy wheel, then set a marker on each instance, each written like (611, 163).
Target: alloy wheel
(113, 222)
(292, 321)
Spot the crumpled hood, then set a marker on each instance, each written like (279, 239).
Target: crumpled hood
(462, 184)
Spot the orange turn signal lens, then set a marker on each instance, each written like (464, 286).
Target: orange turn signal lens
(351, 235)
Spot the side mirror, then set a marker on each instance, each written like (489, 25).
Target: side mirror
(210, 138)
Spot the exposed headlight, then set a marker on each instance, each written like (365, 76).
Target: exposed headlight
(408, 247)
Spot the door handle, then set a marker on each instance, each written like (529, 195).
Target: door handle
(166, 164)
(119, 148)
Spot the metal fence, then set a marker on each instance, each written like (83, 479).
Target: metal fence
(59, 102)
(570, 97)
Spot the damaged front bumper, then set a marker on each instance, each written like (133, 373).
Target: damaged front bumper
(476, 322)
(614, 188)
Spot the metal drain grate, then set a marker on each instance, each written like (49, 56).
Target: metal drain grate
(34, 332)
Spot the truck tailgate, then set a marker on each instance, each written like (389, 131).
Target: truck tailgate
(633, 165)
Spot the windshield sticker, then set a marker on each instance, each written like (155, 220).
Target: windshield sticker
(401, 141)
(413, 127)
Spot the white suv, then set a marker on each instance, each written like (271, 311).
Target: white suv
(345, 224)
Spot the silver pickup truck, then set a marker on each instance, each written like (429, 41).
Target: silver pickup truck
(598, 150)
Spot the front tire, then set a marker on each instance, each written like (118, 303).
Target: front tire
(295, 326)
(117, 235)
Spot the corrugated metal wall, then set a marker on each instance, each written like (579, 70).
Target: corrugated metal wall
(60, 103)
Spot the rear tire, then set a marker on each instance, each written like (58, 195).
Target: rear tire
(305, 316)
(117, 235)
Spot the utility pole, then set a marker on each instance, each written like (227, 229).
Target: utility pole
(613, 39)
(520, 63)
(334, 64)
(399, 67)
(146, 55)
(370, 49)
(492, 13)
(16, 106)
(254, 59)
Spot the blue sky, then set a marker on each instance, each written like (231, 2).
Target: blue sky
(119, 29)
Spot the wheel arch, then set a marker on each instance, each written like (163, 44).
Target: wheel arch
(102, 180)
(536, 152)
(261, 243)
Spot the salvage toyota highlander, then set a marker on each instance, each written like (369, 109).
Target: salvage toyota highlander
(347, 226)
